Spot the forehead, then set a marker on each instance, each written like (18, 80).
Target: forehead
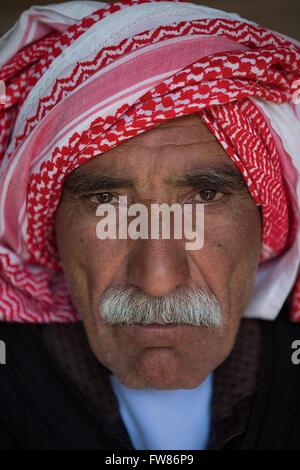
(172, 147)
(179, 131)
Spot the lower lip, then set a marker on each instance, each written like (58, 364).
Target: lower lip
(159, 326)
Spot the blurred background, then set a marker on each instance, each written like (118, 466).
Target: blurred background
(282, 16)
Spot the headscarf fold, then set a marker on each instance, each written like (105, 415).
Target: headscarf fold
(83, 77)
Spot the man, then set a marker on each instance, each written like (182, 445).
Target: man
(158, 103)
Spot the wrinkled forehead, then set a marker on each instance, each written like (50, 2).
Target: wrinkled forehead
(172, 148)
(178, 131)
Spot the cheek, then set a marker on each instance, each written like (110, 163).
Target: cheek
(236, 238)
(89, 264)
(230, 256)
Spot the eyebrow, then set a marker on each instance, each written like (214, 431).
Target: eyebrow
(220, 176)
(217, 177)
(80, 183)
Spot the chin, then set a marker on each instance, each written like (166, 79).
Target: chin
(163, 369)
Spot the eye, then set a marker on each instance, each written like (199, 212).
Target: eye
(208, 195)
(104, 198)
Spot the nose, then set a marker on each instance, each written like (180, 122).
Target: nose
(157, 266)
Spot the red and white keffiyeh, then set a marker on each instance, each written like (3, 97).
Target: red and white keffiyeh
(82, 77)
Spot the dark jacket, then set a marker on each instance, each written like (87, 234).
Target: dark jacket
(42, 407)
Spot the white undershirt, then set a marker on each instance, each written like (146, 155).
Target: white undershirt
(166, 419)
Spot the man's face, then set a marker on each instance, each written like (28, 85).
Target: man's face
(181, 162)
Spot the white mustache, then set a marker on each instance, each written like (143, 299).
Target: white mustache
(130, 305)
